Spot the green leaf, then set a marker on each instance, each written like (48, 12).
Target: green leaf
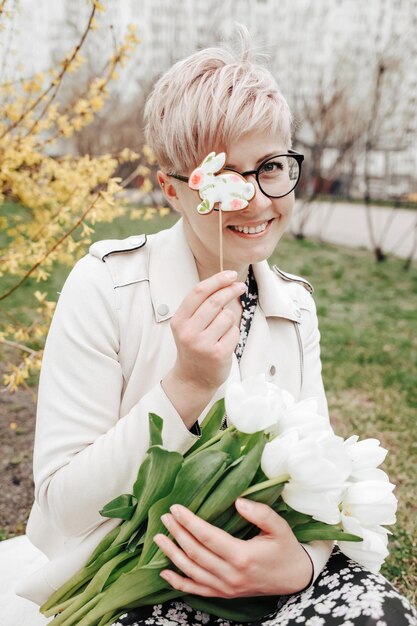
(77, 609)
(239, 609)
(319, 530)
(204, 207)
(230, 442)
(105, 543)
(265, 493)
(210, 425)
(234, 481)
(155, 429)
(137, 538)
(194, 481)
(295, 518)
(156, 478)
(130, 587)
(121, 507)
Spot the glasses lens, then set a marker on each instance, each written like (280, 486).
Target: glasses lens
(279, 175)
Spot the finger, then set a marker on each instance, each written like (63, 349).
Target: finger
(215, 303)
(191, 569)
(197, 552)
(190, 586)
(262, 516)
(215, 539)
(221, 324)
(203, 290)
(227, 344)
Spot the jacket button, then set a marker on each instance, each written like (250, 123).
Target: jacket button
(298, 314)
(163, 309)
(272, 370)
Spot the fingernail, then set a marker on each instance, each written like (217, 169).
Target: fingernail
(244, 504)
(231, 274)
(165, 519)
(175, 510)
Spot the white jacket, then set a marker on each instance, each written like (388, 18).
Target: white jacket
(108, 347)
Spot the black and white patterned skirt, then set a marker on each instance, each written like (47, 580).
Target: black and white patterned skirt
(345, 594)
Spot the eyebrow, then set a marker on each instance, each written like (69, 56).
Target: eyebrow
(264, 158)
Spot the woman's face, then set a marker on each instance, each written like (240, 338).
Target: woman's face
(239, 249)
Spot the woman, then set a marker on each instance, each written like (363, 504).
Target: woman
(152, 325)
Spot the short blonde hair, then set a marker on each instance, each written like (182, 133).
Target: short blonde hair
(210, 99)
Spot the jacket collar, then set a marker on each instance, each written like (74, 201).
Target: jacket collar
(173, 274)
(273, 297)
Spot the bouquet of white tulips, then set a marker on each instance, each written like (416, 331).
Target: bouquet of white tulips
(275, 451)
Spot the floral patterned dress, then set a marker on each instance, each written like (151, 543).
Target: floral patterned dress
(345, 593)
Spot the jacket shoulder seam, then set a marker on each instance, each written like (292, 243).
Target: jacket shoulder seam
(106, 247)
(293, 278)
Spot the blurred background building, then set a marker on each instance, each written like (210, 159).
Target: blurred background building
(347, 68)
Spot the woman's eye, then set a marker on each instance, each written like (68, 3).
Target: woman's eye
(272, 166)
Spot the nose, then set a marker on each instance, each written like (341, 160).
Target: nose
(260, 200)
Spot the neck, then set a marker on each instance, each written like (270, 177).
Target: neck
(205, 271)
(208, 263)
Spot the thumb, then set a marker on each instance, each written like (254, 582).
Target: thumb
(262, 516)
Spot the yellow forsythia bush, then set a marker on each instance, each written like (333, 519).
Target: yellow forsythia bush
(49, 203)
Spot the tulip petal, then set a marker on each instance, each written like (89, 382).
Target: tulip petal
(372, 551)
(371, 502)
(318, 504)
(274, 461)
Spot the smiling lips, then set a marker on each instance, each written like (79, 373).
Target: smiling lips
(251, 230)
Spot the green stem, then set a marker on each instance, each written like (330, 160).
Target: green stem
(60, 607)
(95, 586)
(105, 543)
(265, 484)
(73, 619)
(211, 441)
(109, 618)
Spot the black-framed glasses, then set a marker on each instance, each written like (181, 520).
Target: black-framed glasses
(277, 176)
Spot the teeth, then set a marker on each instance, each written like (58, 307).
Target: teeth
(251, 230)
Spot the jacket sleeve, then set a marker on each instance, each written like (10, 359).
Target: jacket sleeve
(85, 452)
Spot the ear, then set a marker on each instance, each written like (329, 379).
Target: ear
(167, 186)
(169, 190)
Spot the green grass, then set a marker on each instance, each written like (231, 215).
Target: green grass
(368, 322)
(368, 319)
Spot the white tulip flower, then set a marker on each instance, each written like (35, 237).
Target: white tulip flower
(254, 404)
(370, 502)
(320, 461)
(303, 417)
(372, 551)
(372, 473)
(317, 468)
(322, 504)
(365, 455)
(274, 461)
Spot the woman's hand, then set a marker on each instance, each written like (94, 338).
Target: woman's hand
(206, 333)
(216, 564)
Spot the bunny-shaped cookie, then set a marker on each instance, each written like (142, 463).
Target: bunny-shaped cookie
(228, 189)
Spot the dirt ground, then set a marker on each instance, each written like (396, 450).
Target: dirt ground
(17, 429)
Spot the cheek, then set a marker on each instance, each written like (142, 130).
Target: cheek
(285, 206)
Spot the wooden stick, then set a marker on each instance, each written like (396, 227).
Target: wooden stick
(221, 239)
